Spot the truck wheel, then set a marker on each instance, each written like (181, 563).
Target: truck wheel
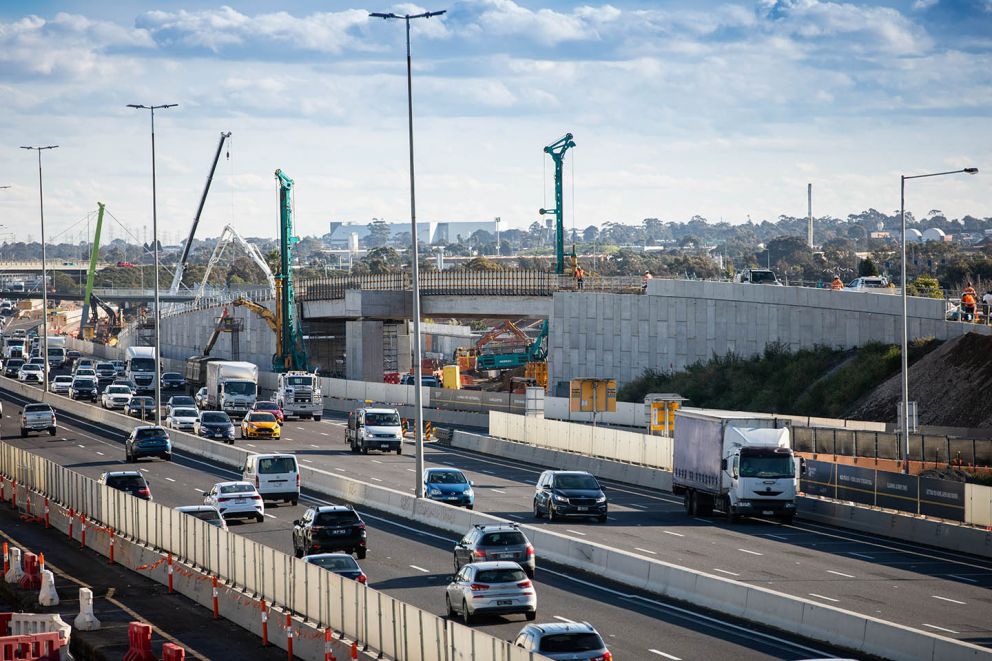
(365, 450)
(689, 502)
(316, 418)
(399, 450)
(704, 505)
(786, 518)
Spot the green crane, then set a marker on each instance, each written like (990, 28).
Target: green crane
(294, 353)
(557, 151)
(94, 255)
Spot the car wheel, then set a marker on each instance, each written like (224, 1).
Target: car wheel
(530, 572)
(297, 551)
(531, 616)
(365, 450)
(51, 432)
(537, 510)
(551, 512)
(448, 608)
(458, 567)
(260, 517)
(316, 418)
(399, 450)
(466, 616)
(295, 501)
(24, 432)
(468, 507)
(168, 457)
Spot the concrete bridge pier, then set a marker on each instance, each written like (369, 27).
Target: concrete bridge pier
(373, 347)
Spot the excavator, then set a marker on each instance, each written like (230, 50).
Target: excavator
(514, 354)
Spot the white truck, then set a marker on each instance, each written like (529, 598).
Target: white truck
(140, 368)
(374, 429)
(740, 463)
(232, 387)
(298, 393)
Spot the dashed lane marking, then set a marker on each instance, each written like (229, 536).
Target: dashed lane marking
(665, 654)
(820, 596)
(724, 571)
(638, 548)
(953, 601)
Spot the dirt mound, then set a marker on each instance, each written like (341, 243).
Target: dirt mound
(952, 385)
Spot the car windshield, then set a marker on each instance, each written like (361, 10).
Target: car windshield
(335, 562)
(446, 477)
(142, 364)
(509, 575)
(205, 514)
(266, 406)
(185, 413)
(145, 402)
(150, 432)
(214, 416)
(126, 481)
(335, 518)
(37, 408)
(382, 419)
(172, 376)
(31, 367)
(762, 276)
(105, 366)
(557, 643)
(262, 417)
(63, 379)
(246, 388)
(237, 488)
(506, 538)
(277, 465)
(300, 380)
(182, 401)
(576, 482)
(769, 467)
(118, 390)
(85, 372)
(83, 383)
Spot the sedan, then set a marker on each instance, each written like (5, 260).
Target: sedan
(30, 372)
(60, 384)
(183, 419)
(116, 396)
(490, 587)
(449, 485)
(260, 425)
(339, 563)
(84, 371)
(71, 357)
(270, 407)
(236, 500)
(141, 407)
(216, 425)
(180, 401)
(84, 387)
(173, 381)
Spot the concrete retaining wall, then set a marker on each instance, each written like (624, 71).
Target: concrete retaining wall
(679, 322)
(818, 622)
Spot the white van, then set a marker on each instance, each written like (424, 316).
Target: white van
(275, 476)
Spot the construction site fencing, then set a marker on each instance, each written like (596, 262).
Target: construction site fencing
(394, 628)
(938, 450)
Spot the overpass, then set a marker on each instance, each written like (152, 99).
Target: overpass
(34, 266)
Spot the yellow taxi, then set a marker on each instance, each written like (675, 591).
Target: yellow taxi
(260, 424)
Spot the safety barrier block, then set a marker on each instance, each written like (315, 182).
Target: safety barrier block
(86, 620)
(33, 647)
(139, 637)
(172, 652)
(16, 571)
(31, 580)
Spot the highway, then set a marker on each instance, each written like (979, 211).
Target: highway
(412, 563)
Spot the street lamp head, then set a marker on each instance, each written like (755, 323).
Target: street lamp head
(971, 170)
(379, 14)
(136, 105)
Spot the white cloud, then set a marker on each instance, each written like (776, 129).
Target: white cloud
(922, 5)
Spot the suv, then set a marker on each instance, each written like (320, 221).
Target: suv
(115, 396)
(329, 528)
(105, 371)
(498, 542)
(38, 417)
(12, 367)
(148, 441)
(569, 493)
(758, 277)
(84, 387)
(867, 283)
(132, 482)
(575, 641)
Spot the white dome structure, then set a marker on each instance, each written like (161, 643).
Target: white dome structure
(914, 236)
(934, 234)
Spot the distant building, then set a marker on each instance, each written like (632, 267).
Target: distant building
(935, 234)
(432, 232)
(880, 235)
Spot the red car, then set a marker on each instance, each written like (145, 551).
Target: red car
(270, 407)
(125, 265)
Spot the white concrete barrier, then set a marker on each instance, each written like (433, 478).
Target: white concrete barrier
(48, 596)
(86, 620)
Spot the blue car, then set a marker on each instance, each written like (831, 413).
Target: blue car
(448, 485)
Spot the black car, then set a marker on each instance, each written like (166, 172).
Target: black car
(131, 482)
(84, 387)
(12, 367)
(173, 381)
(329, 528)
(141, 407)
(569, 493)
(71, 357)
(216, 425)
(151, 441)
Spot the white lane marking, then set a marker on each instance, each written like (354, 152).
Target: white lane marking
(515, 516)
(861, 555)
(412, 470)
(839, 573)
(676, 534)
(143, 470)
(962, 578)
(340, 469)
(724, 571)
(269, 515)
(377, 479)
(934, 626)
(953, 601)
(301, 428)
(80, 445)
(564, 619)
(751, 552)
(495, 490)
(376, 461)
(487, 472)
(249, 445)
(314, 446)
(308, 461)
(638, 548)
(784, 539)
(323, 433)
(820, 596)
(575, 532)
(420, 569)
(100, 453)
(200, 490)
(665, 654)
(171, 479)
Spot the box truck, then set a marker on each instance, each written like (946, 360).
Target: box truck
(232, 387)
(140, 368)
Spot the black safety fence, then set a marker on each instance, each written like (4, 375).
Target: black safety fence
(908, 493)
(936, 449)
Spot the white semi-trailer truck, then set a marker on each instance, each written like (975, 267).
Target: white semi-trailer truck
(740, 463)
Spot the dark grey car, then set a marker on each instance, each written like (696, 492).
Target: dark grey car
(499, 542)
(569, 493)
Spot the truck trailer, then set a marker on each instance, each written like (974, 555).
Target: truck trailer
(740, 463)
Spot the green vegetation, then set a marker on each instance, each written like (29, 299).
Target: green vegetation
(818, 382)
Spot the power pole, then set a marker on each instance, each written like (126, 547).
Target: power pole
(809, 215)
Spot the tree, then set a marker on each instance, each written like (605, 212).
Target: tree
(482, 264)
(590, 234)
(926, 286)
(866, 267)
(379, 233)
(379, 261)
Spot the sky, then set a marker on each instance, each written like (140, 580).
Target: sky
(722, 109)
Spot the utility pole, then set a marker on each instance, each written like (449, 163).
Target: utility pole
(809, 215)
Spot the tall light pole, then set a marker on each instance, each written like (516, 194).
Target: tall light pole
(498, 253)
(44, 275)
(158, 308)
(905, 313)
(417, 369)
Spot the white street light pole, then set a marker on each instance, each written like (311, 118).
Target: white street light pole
(44, 274)
(158, 308)
(905, 313)
(417, 367)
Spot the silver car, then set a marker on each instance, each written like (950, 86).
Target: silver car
(60, 384)
(183, 419)
(491, 587)
(571, 641)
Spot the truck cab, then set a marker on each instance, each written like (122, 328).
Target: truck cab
(375, 429)
(140, 369)
(298, 393)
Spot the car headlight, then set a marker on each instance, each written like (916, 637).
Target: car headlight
(561, 499)
(469, 493)
(433, 492)
(601, 499)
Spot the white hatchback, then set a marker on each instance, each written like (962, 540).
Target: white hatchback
(236, 500)
(498, 588)
(183, 419)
